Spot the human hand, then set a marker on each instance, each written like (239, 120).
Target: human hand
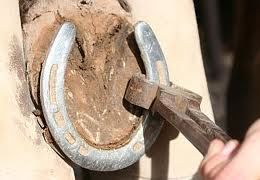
(234, 161)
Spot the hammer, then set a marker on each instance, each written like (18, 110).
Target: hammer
(177, 105)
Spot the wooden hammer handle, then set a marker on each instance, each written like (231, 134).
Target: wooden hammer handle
(211, 130)
(185, 115)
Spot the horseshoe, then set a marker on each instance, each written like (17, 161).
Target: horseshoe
(59, 123)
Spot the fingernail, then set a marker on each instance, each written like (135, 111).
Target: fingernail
(229, 147)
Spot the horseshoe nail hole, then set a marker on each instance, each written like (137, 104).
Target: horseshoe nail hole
(52, 83)
(70, 138)
(137, 146)
(59, 119)
(83, 151)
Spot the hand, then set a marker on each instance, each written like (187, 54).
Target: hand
(234, 161)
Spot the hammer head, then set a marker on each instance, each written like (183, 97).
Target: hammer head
(141, 92)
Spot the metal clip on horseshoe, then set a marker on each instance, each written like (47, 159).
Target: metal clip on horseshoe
(55, 112)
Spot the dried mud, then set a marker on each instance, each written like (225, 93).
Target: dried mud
(99, 67)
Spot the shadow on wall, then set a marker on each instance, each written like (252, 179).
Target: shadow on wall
(244, 89)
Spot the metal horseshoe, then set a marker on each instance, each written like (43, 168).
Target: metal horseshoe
(59, 123)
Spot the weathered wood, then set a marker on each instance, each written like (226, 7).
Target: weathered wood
(185, 115)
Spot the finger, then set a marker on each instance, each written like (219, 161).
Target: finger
(229, 151)
(246, 162)
(229, 148)
(219, 158)
(215, 147)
